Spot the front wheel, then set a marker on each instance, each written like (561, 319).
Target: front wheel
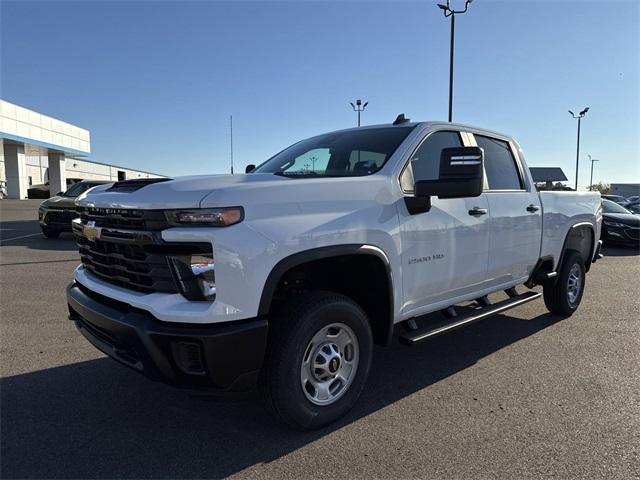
(564, 295)
(317, 361)
(50, 232)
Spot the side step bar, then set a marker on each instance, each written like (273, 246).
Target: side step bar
(417, 336)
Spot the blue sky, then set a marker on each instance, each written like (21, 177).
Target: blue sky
(155, 82)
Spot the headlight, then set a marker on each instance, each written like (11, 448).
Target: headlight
(40, 212)
(614, 224)
(205, 217)
(195, 275)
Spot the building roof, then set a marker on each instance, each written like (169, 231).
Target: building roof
(547, 174)
(21, 125)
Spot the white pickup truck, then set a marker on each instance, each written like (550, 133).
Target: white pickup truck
(285, 277)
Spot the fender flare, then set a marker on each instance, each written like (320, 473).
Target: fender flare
(591, 250)
(305, 256)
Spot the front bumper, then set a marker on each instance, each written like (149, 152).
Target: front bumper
(59, 219)
(221, 357)
(626, 235)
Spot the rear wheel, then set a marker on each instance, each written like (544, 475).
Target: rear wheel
(317, 361)
(564, 295)
(50, 232)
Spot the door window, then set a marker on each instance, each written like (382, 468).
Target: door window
(499, 164)
(425, 161)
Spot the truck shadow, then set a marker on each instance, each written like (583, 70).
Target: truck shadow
(95, 419)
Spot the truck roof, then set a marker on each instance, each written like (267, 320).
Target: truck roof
(461, 126)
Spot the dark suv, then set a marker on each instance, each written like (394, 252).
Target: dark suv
(56, 213)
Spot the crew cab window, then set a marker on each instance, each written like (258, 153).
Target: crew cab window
(499, 164)
(425, 161)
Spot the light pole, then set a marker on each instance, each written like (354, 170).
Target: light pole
(448, 12)
(359, 107)
(591, 180)
(579, 117)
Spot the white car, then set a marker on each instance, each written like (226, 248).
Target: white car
(288, 275)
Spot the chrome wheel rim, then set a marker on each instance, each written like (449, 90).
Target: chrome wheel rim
(574, 283)
(329, 364)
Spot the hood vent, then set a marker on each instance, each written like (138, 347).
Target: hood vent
(133, 185)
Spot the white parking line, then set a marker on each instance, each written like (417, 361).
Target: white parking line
(18, 238)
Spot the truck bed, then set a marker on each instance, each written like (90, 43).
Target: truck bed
(564, 210)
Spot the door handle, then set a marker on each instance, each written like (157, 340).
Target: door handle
(533, 208)
(477, 211)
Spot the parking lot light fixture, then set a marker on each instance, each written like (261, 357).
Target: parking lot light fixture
(359, 107)
(579, 118)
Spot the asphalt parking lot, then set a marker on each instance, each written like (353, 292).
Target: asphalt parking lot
(521, 395)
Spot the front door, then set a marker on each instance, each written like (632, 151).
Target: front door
(444, 250)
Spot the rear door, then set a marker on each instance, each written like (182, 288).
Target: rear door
(516, 215)
(444, 250)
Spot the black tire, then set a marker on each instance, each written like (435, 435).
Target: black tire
(556, 294)
(290, 335)
(50, 232)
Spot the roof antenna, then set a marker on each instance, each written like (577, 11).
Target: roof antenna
(231, 128)
(400, 119)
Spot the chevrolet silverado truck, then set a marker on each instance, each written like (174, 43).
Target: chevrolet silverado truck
(284, 278)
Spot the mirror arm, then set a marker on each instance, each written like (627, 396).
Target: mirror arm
(416, 205)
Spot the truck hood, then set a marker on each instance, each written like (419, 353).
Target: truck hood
(59, 202)
(181, 192)
(263, 195)
(626, 218)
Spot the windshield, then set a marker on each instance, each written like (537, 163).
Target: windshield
(339, 154)
(612, 207)
(77, 188)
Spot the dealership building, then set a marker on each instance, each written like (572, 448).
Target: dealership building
(37, 148)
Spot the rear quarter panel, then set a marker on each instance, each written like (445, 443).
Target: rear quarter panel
(561, 212)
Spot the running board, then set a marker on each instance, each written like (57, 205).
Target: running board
(417, 336)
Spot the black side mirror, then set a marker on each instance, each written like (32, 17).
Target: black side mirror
(461, 175)
(59, 194)
(249, 168)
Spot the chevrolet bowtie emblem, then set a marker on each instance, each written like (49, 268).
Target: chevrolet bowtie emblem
(91, 231)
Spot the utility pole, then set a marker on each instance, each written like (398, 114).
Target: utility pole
(591, 180)
(359, 107)
(448, 12)
(579, 118)
(231, 140)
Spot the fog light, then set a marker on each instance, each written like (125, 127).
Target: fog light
(188, 357)
(195, 275)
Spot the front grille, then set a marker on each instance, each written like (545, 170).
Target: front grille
(633, 233)
(148, 220)
(127, 264)
(129, 252)
(60, 216)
